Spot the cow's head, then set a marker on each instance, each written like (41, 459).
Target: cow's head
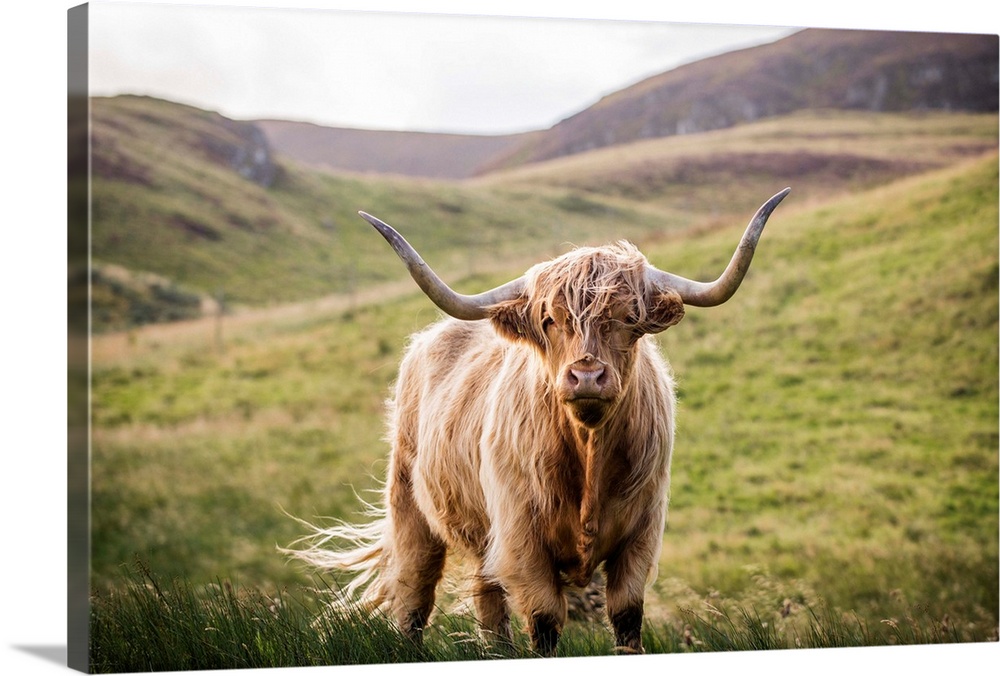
(583, 312)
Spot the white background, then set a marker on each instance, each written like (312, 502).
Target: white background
(33, 246)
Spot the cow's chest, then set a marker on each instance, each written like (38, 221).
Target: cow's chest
(581, 536)
(588, 516)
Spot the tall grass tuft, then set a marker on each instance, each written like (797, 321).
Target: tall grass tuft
(148, 624)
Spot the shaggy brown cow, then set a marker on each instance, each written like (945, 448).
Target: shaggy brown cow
(533, 432)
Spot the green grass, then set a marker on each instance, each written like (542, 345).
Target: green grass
(835, 472)
(150, 624)
(843, 416)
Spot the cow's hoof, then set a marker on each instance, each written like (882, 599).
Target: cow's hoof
(626, 650)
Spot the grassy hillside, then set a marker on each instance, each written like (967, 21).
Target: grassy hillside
(179, 224)
(819, 153)
(838, 419)
(168, 202)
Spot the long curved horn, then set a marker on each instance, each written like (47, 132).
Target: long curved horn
(710, 294)
(455, 304)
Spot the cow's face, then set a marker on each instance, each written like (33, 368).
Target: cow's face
(583, 313)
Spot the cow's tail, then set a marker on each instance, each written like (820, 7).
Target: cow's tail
(360, 551)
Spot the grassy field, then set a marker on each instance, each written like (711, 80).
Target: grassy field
(837, 441)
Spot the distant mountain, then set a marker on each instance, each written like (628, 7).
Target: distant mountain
(884, 71)
(387, 152)
(813, 69)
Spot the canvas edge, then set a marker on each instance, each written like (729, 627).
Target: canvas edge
(78, 341)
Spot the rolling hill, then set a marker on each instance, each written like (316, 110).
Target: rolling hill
(191, 209)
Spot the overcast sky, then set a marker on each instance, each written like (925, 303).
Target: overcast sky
(388, 70)
(333, 63)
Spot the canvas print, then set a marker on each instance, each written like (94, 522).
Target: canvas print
(403, 338)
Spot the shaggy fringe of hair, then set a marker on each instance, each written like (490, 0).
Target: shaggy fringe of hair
(345, 547)
(590, 281)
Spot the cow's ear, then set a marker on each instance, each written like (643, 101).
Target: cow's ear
(511, 320)
(664, 309)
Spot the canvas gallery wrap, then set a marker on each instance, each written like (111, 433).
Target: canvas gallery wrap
(505, 339)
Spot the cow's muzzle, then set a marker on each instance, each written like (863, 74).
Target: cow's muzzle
(586, 379)
(588, 389)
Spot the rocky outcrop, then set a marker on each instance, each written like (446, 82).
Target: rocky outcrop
(246, 150)
(128, 132)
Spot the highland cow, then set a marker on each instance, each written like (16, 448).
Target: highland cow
(531, 430)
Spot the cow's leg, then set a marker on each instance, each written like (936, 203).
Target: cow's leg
(625, 587)
(544, 628)
(492, 610)
(417, 558)
(537, 592)
(523, 565)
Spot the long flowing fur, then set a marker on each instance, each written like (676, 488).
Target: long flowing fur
(360, 550)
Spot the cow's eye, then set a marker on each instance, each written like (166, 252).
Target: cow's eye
(547, 322)
(632, 315)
